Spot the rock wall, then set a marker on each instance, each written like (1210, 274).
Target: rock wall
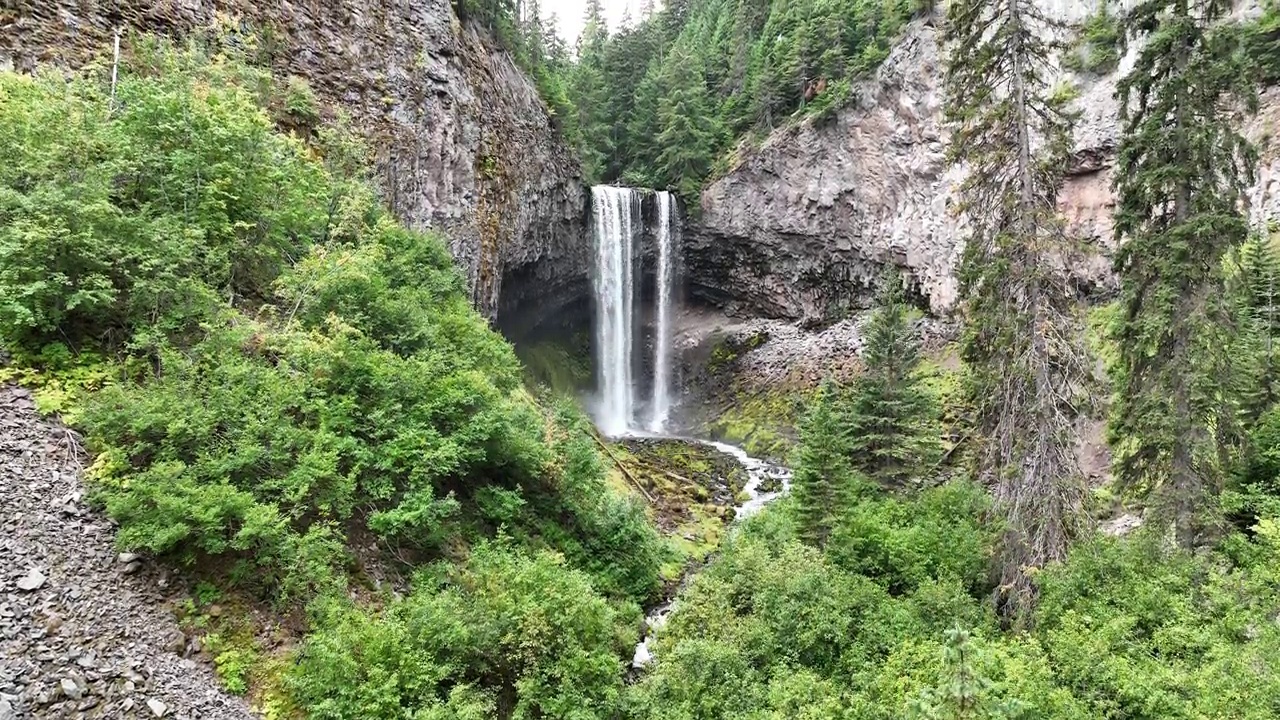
(463, 142)
(802, 225)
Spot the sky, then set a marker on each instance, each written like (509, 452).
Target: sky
(570, 14)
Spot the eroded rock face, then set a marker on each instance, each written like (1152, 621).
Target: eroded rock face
(463, 142)
(802, 227)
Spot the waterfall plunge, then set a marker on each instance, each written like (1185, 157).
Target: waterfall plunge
(614, 281)
(616, 212)
(661, 404)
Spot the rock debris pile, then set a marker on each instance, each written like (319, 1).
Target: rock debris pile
(85, 631)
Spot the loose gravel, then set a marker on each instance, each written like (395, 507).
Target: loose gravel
(85, 632)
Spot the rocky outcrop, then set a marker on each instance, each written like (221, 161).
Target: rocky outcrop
(801, 227)
(463, 142)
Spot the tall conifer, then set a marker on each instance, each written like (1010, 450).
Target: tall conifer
(822, 480)
(1013, 134)
(1180, 176)
(889, 418)
(1257, 293)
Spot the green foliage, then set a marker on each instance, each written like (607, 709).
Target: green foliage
(1256, 491)
(507, 634)
(1182, 173)
(294, 365)
(775, 629)
(1255, 287)
(823, 484)
(659, 102)
(147, 210)
(888, 417)
(1261, 42)
(234, 662)
(1012, 129)
(573, 511)
(1123, 630)
(965, 693)
(904, 544)
(1138, 632)
(561, 366)
(1097, 49)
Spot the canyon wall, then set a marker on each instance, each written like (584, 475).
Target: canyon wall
(802, 225)
(463, 143)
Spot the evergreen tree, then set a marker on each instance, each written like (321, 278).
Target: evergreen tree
(752, 60)
(890, 419)
(823, 480)
(1258, 297)
(964, 693)
(1181, 172)
(690, 134)
(1021, 339)
(590, 95)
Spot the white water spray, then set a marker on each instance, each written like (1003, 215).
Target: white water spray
(616, 213)
(614, 283)
(661, 403)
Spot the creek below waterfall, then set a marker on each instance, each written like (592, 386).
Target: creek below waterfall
(761, 475)
(623, 349)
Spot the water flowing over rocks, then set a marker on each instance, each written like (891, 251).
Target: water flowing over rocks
(766, 482)
(463, 142)
(84, 631)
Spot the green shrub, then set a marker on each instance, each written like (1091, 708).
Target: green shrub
(1125, 630)
(1137, 631)
(147, 210)
(507, 634)
(234, 662)
(1097, 50)
(903, 543)
(294, 364)
(575, 512)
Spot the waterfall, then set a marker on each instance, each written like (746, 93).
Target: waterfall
(614, 284)
(661, 403)
(616, 214)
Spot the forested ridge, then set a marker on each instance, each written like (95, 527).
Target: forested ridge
(664, 100)
(287, 395)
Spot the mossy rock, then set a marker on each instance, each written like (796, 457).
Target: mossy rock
(691, 489)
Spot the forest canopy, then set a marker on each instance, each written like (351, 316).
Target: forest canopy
(664, 100)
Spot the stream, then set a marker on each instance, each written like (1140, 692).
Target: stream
(758, 472)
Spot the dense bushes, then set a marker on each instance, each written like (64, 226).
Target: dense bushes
(293, 365)
(145, 209)
(1124, 630)
(508, 634)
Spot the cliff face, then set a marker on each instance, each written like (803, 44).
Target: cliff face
(802, 226)
(463, 143)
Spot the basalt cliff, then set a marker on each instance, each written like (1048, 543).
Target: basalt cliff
(801, 225)
(462, 141)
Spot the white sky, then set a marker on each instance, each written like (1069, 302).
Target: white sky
(570, 14)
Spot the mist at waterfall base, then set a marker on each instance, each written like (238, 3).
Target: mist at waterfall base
(619, 232)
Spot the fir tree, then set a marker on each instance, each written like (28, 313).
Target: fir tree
(1257, 294)
(1021, 339)
(823, 479)
(890, 419)
(1180, 175)
(964, 693)
(690, 133)
(591, 94)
